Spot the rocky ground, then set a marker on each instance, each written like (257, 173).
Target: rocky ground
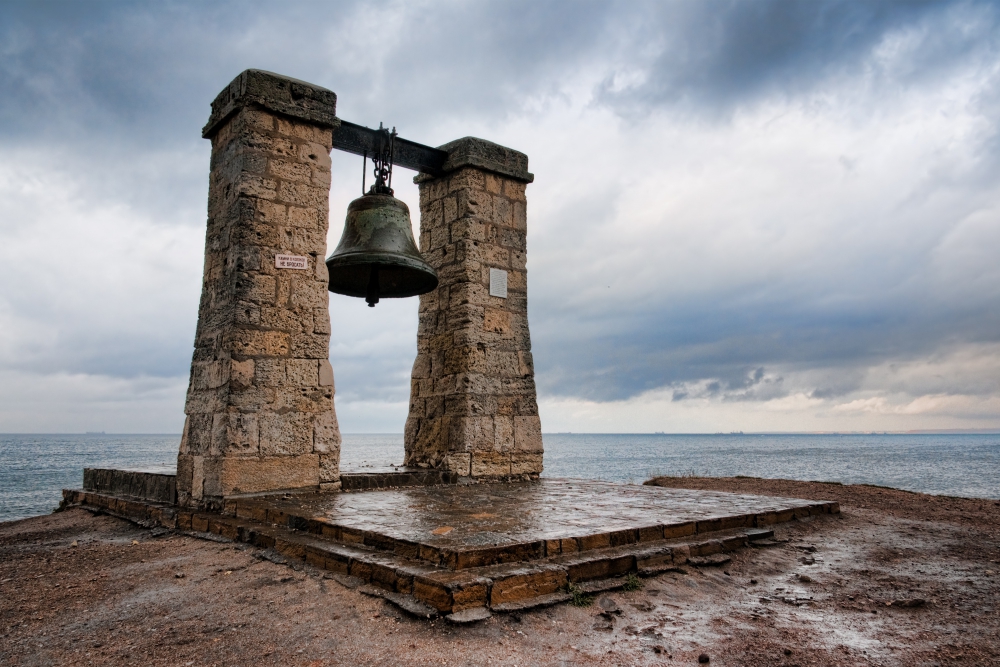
(898, 579)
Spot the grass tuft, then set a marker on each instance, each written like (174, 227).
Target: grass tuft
(632, 582)
(580, 599)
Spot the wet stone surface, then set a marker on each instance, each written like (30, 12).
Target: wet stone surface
(505, 514)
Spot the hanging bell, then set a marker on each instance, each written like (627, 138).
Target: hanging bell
(377, 256)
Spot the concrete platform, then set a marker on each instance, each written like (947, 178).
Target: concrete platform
(472, 525)
(480, 547)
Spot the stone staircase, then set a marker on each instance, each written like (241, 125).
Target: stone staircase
(466, 583)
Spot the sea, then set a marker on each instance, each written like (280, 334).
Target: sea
(35, 468)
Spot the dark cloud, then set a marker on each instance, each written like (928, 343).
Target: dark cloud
(718, 55)
(111, 97)
(735, 347)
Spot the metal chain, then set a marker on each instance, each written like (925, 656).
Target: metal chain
(382, 159)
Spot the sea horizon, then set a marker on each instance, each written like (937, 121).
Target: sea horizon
(945, 431)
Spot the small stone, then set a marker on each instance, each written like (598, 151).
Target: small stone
(709, 561)
(912, 602)
(788, 651)
(179, 575)
(753, 581)
(76, 544)
(606, 625)
(805, 578)
(135, 541)
(703, 658)
(470, 615)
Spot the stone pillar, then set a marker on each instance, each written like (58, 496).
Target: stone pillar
(472, 397)
(260, 414)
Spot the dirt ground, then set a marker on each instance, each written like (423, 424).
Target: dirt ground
(898, 579)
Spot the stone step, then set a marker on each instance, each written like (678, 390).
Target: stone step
(500, 587)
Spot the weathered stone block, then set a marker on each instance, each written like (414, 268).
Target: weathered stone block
(235, 433)
(326, 433)
(251, 398)
(241, 374)
(302, 372)
(256, 474)
(475, 432)
(533, 583)
(679, 530)
(208, 375)
(528, 434)
(525, 463)
(329, 467)
(490, 464)
(250, 343)
(467, 405)
(650, 533)
(460, 463)
(288, 434)
(503, 433)
(310, 346)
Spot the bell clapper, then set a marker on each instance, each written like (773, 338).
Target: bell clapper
(372, 297)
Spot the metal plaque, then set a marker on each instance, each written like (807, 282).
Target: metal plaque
(498, 283)
(291, 262)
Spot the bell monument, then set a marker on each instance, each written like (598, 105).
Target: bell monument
(259, 412)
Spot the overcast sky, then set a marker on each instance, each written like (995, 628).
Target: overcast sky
(757, 216)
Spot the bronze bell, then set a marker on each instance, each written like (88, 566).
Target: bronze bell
(377, 256)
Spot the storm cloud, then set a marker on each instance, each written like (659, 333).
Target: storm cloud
(746, 215)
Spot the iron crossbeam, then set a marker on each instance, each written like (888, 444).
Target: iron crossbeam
(361, 140)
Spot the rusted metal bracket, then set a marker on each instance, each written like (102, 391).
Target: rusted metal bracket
(361, 140)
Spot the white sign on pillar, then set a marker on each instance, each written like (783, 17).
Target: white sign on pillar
(498, 283)
(291, 262)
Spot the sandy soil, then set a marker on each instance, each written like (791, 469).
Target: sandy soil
(83, 589)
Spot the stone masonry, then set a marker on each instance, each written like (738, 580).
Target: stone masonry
(472, 398)
(260, 413)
